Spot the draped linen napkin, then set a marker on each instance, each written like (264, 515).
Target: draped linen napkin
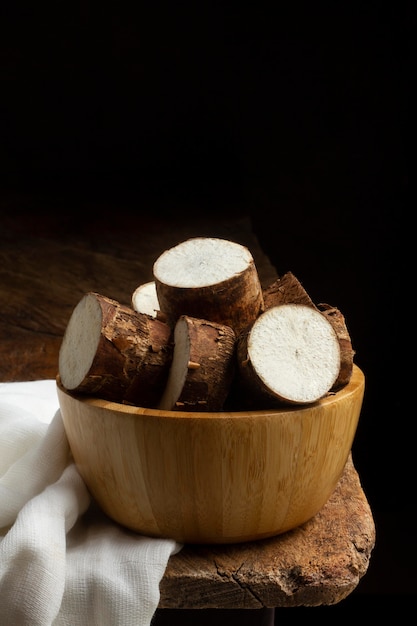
(62, 561)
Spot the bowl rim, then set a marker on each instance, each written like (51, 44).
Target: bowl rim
(357, 380)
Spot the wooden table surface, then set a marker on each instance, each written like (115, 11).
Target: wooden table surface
(48, 260)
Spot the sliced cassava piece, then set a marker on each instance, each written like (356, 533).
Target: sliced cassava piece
(209, 278)
(286, 289)
(291, 354)
(347, 353)
(113, 352)
(145, 300)
(202, 368)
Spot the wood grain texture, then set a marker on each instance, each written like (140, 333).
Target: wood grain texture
(319, 563)
(212, 477)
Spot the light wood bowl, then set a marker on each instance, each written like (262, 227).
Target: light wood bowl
(212, 477)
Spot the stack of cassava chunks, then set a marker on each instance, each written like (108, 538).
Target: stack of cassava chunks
(205, 336)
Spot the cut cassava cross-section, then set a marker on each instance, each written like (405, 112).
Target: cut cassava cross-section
(111, 351)
(145, 300)
(287, 289)
(202, 368)
(291, 354)
(209, 278)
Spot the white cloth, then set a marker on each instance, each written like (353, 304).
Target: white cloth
(62, 561)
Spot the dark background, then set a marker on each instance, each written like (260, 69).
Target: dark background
(296, 117)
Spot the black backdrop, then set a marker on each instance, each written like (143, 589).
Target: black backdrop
(298, 118)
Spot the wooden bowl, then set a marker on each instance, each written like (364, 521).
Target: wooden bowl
(212, 477)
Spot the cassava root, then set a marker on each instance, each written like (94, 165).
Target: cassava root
(111, 351)
(204, 335)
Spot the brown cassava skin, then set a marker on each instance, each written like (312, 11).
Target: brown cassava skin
(235, 302)
(286, 289)
(132, 359)
(211, 368)
(337, 320)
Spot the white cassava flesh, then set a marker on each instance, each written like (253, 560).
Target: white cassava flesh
(201, 261)
(179, 367)
(294, 351)
(287, 289)
(145, 299)
(80, 342)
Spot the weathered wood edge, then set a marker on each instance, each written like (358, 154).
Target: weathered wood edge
(319, 563)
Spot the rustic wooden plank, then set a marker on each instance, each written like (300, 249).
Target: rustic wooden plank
(321, 562)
